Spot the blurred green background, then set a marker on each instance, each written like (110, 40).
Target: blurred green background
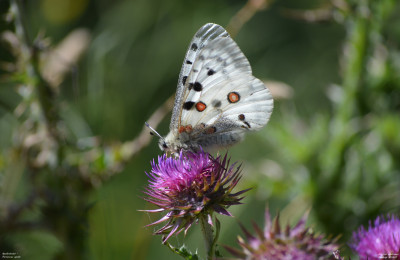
(332, 143)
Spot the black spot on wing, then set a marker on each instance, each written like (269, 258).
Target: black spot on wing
(184, 80)
(216, 103)
(189, 62)
(197, 86)
(194, 47)
(210, 72)
(188, 105)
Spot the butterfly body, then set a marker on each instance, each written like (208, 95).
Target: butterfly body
(201, 136)
(218, 99)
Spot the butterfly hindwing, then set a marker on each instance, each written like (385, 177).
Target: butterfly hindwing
(244, 104)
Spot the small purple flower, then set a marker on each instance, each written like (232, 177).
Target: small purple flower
(191, 186)
(380, 241)
(277, 243)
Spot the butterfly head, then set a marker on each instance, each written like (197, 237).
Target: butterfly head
(168, 144)
(171, 144)
(164, 146)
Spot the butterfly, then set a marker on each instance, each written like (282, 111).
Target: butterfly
(217, 99)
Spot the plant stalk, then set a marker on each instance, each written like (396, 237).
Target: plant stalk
(207, 231)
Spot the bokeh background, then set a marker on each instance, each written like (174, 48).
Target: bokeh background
(80, 77)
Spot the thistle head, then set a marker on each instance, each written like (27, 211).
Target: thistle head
(276, 242)
(189, 186)
(380, 241)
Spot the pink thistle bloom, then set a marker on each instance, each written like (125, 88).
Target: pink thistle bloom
(380, 241)
(278, 243)
(191, 186)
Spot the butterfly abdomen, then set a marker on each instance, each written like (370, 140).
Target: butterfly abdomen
(220, 140)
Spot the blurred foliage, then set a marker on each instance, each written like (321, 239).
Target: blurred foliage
(79, 78)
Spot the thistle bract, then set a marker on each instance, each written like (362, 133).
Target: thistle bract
(190, 186)
(277, 243)
(380, 241)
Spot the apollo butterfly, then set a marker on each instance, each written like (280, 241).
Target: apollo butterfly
(218, 99)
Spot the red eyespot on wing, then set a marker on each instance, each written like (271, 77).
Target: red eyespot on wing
(188, 129)
(233, 97)
(211, 130)
(200, 106)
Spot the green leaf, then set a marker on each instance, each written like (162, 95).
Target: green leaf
(182, 251)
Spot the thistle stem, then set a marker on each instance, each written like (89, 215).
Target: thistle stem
(207, 231)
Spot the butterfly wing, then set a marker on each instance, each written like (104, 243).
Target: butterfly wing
(223, 100)
(204, 35)
(218, 99)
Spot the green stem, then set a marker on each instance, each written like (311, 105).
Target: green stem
(46, 95)
(333, 159)
(207, 231)
(65, 199)
(353, 76)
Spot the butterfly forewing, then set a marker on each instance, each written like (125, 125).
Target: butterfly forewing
(205, 34)
(218, 61)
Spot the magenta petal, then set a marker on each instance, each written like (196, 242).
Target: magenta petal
(382, 239)
(176, 226)
(158, 221)
(209, 220)
(151, 210)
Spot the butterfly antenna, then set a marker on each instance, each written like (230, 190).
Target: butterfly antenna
(153, 131)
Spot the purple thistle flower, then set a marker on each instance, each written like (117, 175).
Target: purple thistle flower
(274, 242)
(380, 241)
(191, 186)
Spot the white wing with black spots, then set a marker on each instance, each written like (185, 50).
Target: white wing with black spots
(218, 61)
(205, 34)
(221, 69)
(250, 112)
(218, 99)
